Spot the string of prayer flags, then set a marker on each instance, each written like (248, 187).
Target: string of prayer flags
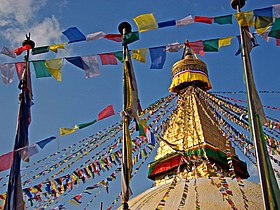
(74, 35)
(227, 19)
(41, 69)
(107, 112)
(55, 47)
(158, 56)
(108, 59)
(39, 50)
(184, 21)
(130, 37)
(275, 30)
(64, 131)
(88, 63)
(211, 45)
(145, 22)
(201, 19)
(7, 72)
(9, 52)
(54, 66)
(95, 36)
(114, 37)
(174, 47)
(44, 142)
(197, 47)
(167, 24)
(245, 18)
(19, 50)
(140, 54)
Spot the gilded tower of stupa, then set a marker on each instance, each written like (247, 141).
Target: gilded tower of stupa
(196, 166)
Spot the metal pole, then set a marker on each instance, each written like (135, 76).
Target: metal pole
(264, 165)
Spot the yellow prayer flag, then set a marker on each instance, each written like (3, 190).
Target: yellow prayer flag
(140, 54)
(57, 46)
(225, 41)
(145, 22)
(245, 18)
(54, 66)
(73, 202)
(64, 131)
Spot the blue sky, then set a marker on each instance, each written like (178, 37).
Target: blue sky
(77, 99)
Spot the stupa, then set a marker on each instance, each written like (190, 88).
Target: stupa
(196, 166)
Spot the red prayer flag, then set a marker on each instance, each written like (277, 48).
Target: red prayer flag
(107, 112)
(6, 161)
(114, 37)
(19, 50)
(108, 59)
(208, 20)
(197, 47)
(277, 42)
(20, 69)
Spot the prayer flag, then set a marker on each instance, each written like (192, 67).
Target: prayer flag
(151, 137)
(19, 50)
(267, 12)
(276, 10)
(262, 23)
(275, 30)
(130, 37)
(7, 72)
(55, 47)
(277, 42)
(158, 56)
(20, 69)
(93, 66)
(107, 112)
(174, 47)
(140, 54)
(44, 142)
(211, 45)
(39, 50)
(77, 61)
(54, 66)
(227, 19)
(28, 151)
(197, 47)
(9, 52)
(184, 21)
(114, 37)
(225, 41)
(74, 35)
(119, 56)
(108, 59)
(245, 18)
(41, 69)
(208, 20)
(14, 199)
(84, 125)
(265, 36)
(6, 161)
(167, 24)
(96, 36)
(64, 131)
(145, 22)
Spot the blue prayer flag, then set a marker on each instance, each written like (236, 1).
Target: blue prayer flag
(158, 56)
(78, 61)
(167, 23)
(266, 12)
(74, 35)
(43, 143)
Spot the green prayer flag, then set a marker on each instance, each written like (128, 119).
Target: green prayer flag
(227, 19)
(119, 56)
(275, 30)
(211, 45)
(83, 125)
(40, 69)
(262, 23)
(38, 50)
(130, 37)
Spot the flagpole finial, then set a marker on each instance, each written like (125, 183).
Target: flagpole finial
(28, 41)
(237, 3)
(126, 26)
